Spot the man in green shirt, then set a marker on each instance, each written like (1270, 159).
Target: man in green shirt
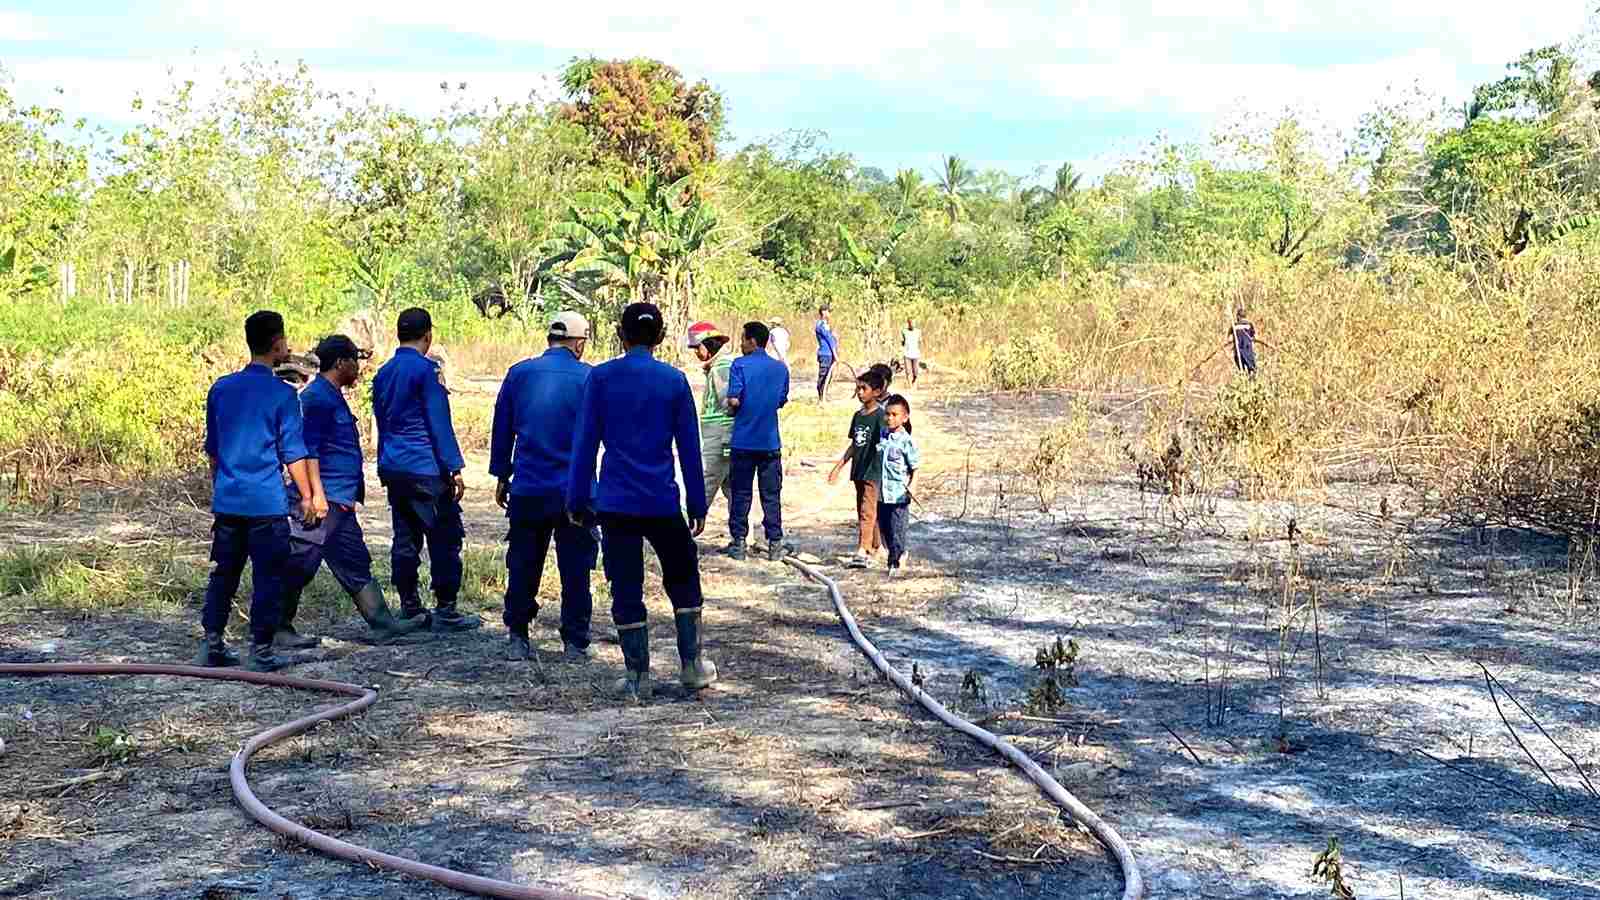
(716, 419)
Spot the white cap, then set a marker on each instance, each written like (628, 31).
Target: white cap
(568, 324)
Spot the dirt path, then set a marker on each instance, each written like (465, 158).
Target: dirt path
(804, 776)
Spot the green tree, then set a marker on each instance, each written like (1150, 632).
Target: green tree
(638, 241)
(43, 181)
(521, 168)
(953, 180)
(1039, 201)
(642, 114)
(909, 191)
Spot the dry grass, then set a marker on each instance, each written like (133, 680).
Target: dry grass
(1415, 371)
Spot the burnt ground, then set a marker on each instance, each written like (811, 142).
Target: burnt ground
(1308, 677)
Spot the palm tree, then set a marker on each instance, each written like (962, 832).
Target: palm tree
(954, 179)
(1039, 201)
(908, 184)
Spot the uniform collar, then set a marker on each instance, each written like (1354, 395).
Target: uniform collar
(256, 368)
(567, 350)
(639, 351)
(411, 350)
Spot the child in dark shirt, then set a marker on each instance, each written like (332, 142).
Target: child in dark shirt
(866, 428)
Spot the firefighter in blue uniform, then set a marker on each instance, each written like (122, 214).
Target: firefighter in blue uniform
(334, 461)
(253, 432)
(419, 463)
(531, 455)
(638, 408)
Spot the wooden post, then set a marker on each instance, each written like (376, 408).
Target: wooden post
(127, 282)
(111, 289)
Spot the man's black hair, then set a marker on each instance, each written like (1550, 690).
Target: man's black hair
(413, 325)
(757, 332)
(333, 349)
(262, 330)
(714, 345)
(642, 324)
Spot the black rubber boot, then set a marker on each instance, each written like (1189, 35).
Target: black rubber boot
(446, 618)
(518, 649)
(411, 604)
(286, 637)
(572, 653)
(636, 656)
(263, 658)
(385, 627)
(698, 672)
(734, 551)
(214, 652)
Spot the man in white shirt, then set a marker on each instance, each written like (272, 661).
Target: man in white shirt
(911, 343)
(778, 341)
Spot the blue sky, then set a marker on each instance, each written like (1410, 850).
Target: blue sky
(1009, 85)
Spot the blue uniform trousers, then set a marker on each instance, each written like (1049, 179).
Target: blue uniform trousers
(746, 470)
(532, 526)
(337, 541)
(264, 542)
(425, 510)
(622, 539)
(894, 520)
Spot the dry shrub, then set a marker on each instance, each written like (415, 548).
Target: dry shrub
(1550, 479)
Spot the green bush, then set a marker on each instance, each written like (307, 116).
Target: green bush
(101, 410)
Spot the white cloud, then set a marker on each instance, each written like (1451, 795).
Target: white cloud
(22, 27)
(972, 61)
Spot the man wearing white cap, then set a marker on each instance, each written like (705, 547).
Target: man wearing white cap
(535, 418)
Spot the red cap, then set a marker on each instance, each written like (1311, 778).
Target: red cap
(700, 331)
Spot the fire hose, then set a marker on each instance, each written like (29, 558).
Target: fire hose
(1133, 884)
(364, 697)
(1132, 881)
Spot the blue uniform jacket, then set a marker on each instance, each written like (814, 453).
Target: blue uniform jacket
(535, 420)
(253, 430)
(413, 413)
(827, 341)
(333, 440)
(638, 408)
(761, 385)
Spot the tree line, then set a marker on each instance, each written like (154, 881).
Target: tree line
(275, 191)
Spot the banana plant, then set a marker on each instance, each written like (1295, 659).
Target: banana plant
(631, 236)
(23, 281)
(873, 266)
